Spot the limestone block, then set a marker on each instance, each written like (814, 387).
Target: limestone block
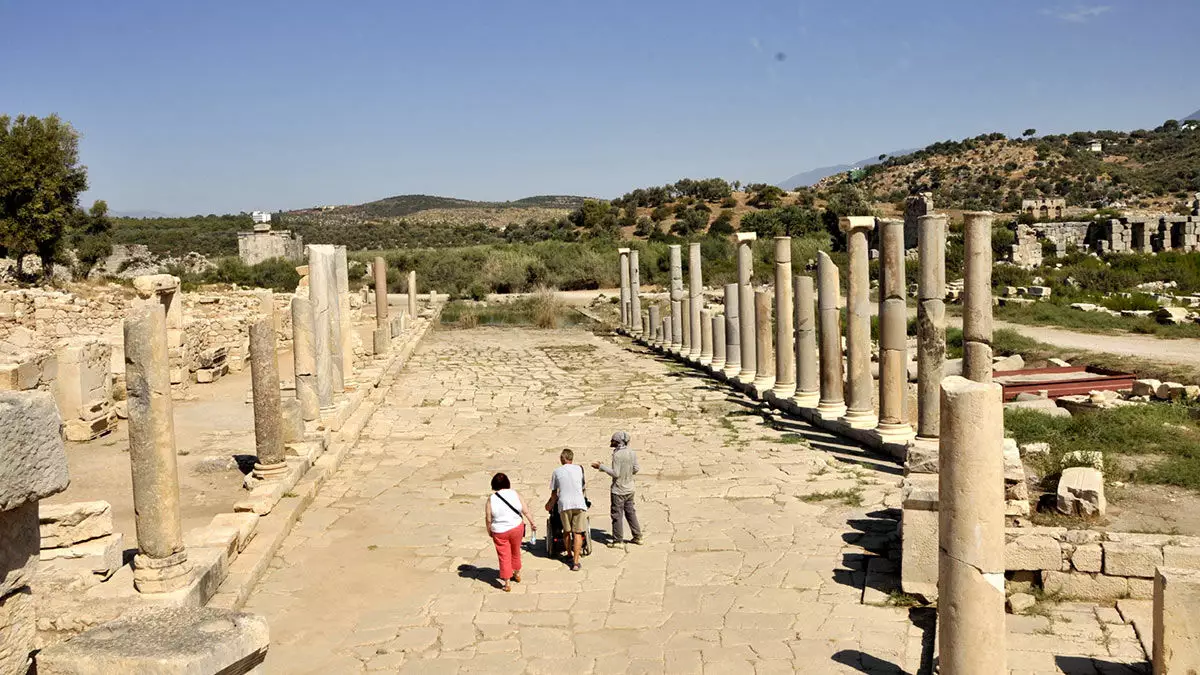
(33, 460)
(921, 456)
(20, 376)
(164, 641)
(1077, 586)
(919, 550)
(1088, 558)
(1125, 559)
(1081, 492)
(1044, 406)
(1035, 449)
(1170, 391)
(18, 628)
(18, 547)
(1145, 387)
(920, 492)
(1186, 557)
(1019, 602)
(1176, 622)
(244, 523)
(292, 420)
(1006, 363)
(154, 283)
(102, 556)
(81, 430)
(1033, 552)
(66, 524)
(1038, 291)
(1171, 315)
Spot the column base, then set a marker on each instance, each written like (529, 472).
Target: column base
(731, 370)
(895, 433)
(764, 383)
(161, 575)
(675, 347)
(694, 356)
(807, 399)
(784, 390)
(704, 360)
(269, 471)
(716, 366)
(831, 410)
(860, 419)
(745, 377)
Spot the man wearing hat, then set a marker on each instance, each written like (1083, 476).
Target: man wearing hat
(624, 466)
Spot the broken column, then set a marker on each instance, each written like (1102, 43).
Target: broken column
(832, 404)
(382, 335)
(161, 561)
(718, 341)
(676, 298)
(808, 385)
(860, 413)
(746, 331)
(696, 295)
(626, 315)
(685, 316)
(635, 286)
(346, 326)
(733, 329)
(764, 348)
(785, 338)
(931, 322)
(1176, 641)
(655, 337)
(977, 296)
(33, 466)
(971, 616)
(412, 295)
(304, 359)
(268, 418)
(706, 337)
(323, 299)
(893, 335)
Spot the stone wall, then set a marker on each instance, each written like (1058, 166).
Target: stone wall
(264, 243)
(1116, 235)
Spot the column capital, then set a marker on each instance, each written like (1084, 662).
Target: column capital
(623, 250)
(747, 236)
(850, 224)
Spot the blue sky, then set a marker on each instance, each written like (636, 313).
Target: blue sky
(224, 106)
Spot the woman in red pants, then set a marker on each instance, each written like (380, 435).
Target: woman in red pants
(504, 516)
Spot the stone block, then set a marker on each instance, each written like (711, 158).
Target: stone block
(921, 456)
(205, 376)
(150, 284)
(67, 524)
(164, 641)
(1039, 291)
(33, 460)
(919, 551)
(1146, 387)
(102, 556)
(1185, 557)
(244, 523)
(1044, 406)
(1078, 586)
(1035, 449)
(292, 421)
(18, 547)
(1170, 391)
(1019, 602)
(1088, 558)
(18, 629)
(1081, 492)
(82, 430)
(1125, 559)
(1176, 622)
(1033, 552)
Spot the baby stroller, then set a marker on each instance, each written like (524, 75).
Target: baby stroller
(556, 538)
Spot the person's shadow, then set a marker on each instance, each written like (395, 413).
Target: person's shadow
(487, 575)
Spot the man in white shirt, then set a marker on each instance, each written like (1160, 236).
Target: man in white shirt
(566, 492)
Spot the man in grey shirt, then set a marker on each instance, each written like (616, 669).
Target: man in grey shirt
(624, 466)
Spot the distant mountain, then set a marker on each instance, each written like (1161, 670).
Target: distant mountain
(1193, 116)
(812, 176)
(405, 205)
(138, 214)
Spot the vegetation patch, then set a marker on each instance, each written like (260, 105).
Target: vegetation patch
(541, 310)
(1050, 313)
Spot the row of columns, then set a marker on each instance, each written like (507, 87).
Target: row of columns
(801, 363)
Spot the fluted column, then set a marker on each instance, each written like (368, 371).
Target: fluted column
(676, 297)
(832, 404)
(893, 335)
(785, 337)
(764, 379)
(635, 287)
(860, 413)
(733, 330)
(808, 385)
(746, 305)
(931, 322)
(696, 295)
(977, 296)
(717, 364)
(626, 317)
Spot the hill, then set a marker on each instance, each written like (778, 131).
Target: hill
(408, 205)
(1193, 116)
(813, 176)
(1147, 170)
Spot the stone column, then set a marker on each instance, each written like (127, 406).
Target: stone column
(808, 392)
(832, 404)
(676, 296)
(325, 320)
(733, 330)
(346, 325)
(931, 322)
(645, 326)
(304, 359)
(685, 317)
(785, 337)
(971, 529)
(893, 335)
(1176, 650)
(635, 285)
(268, 416)
(382, 336)
(718, 342)
(626, 317)
(977, 296)
(412, 295)
(706, 337)
(860, 413)
(696, 295)
(664, 338)
(655, 338)
(161, 561)
(764, 348)
(746, 305)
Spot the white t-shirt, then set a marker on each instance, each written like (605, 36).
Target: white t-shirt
(504, 518)
(568, 480)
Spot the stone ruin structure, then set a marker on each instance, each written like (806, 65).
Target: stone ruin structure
(1044, 207)
(1115, 235)
(915, 206)
(263, 243)
(964, 482)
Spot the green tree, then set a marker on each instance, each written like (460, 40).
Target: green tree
(40, 182)
(91, 236)
(1029, 132)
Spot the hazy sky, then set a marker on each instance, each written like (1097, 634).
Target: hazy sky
(223, 106)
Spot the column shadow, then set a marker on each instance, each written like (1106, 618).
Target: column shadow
(1085, 665)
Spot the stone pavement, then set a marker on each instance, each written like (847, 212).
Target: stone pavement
(770, 546)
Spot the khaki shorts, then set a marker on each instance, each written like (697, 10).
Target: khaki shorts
(574, 520)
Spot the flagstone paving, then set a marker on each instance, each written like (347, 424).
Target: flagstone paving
(770, 547)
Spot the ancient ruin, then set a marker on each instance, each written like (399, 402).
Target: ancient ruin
(263, 243)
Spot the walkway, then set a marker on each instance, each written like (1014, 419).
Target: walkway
(761, 536)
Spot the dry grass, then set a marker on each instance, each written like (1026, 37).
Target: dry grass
(548, 309)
